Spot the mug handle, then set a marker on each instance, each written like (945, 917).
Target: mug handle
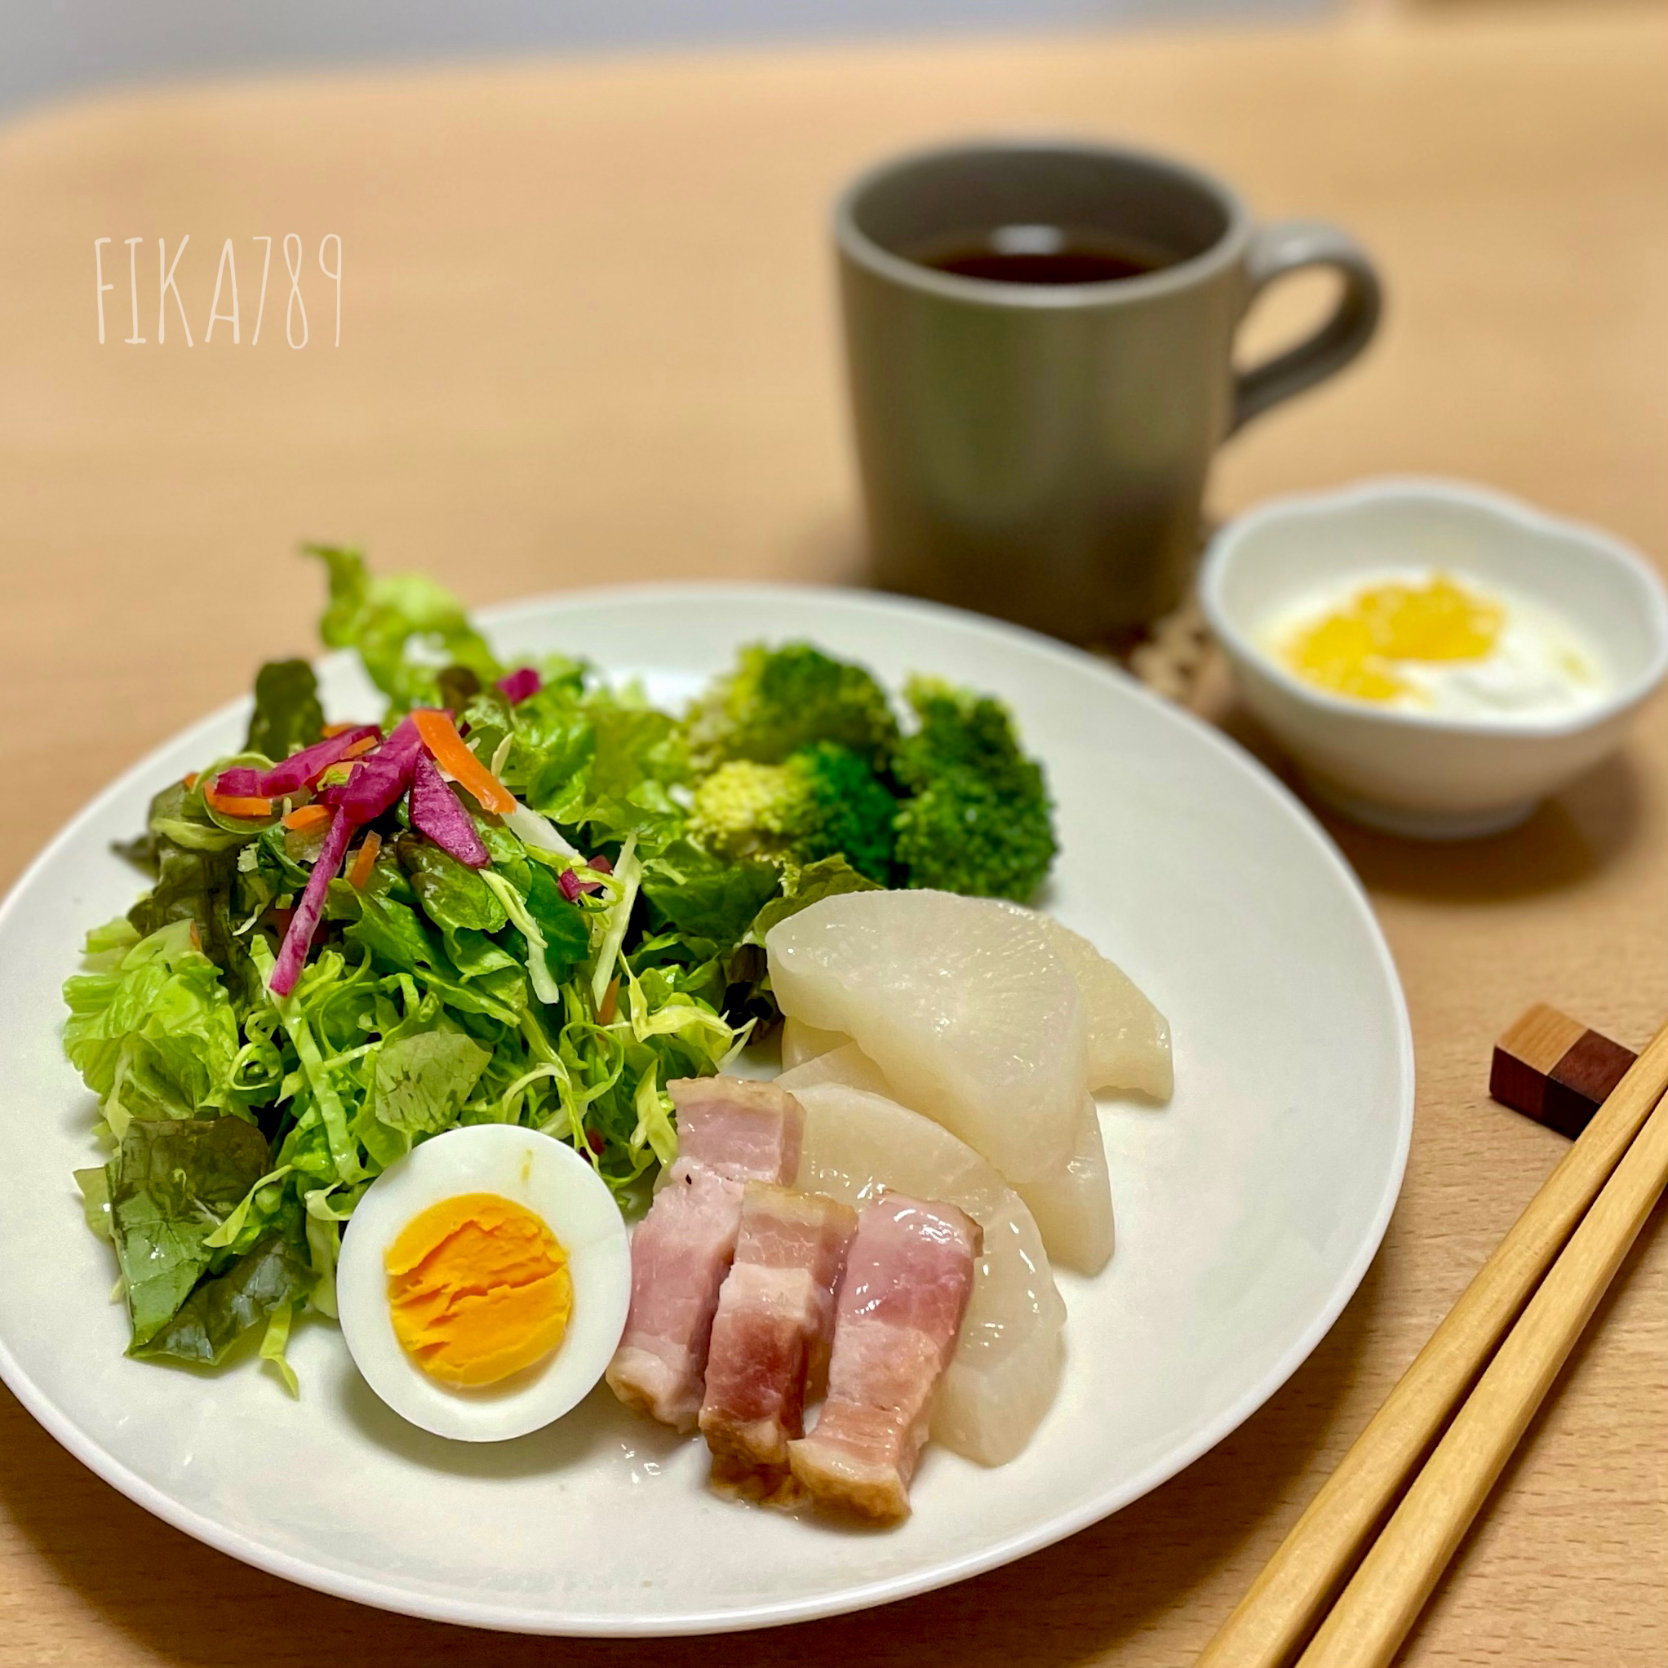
(1291, 246)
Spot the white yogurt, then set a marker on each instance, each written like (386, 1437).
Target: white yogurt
(1537, 668)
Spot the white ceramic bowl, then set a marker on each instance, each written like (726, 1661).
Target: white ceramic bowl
(1416, 773)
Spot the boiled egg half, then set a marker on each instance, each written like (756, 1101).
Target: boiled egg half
(484, 1281)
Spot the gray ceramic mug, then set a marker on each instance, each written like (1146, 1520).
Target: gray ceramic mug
(1040, 451)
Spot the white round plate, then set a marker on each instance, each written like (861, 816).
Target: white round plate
(1248, 1209)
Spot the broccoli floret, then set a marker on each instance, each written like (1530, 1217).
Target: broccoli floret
(823, 801)
(978, 818)
(777, 701)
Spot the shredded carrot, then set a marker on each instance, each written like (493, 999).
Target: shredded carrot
(441, 737)
(196, 937)
(237, 805)
(610, 1001)
(363, 745)
(359, 870)
(336, 729)
(304, 818)
(191, 780)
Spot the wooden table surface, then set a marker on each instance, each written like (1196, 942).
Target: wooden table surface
(587, 334)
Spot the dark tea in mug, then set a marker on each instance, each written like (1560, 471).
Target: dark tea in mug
(1042, 255)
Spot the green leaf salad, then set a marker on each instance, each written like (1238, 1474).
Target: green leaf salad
(519, 896)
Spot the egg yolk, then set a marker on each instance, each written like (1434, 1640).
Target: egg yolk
(478, 1288)
(1353, 650)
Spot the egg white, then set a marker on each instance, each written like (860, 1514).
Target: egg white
(562, 1190)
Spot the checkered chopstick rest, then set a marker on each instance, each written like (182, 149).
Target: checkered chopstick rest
(1555, 1070)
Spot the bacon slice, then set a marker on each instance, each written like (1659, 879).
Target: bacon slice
(739, 1128)
(908, 1274)
(770, 1338)
(730, 1131)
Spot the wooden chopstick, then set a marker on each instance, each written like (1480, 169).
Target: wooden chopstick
(1287, 1599)
(1377, 1608)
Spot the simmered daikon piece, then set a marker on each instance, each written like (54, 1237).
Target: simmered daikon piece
(1129, 1039)
(1073, 1207)
(968, 1009)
